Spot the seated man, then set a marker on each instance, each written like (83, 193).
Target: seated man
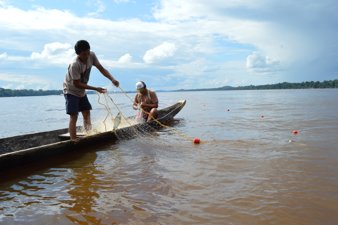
(145, 100)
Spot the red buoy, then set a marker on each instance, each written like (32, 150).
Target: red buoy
(197, 140)
(295, 132)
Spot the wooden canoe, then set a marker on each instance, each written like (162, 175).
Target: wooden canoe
(33, 147)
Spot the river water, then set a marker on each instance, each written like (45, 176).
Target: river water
(249, 169)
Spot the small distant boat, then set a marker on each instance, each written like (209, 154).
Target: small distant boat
(33, 147)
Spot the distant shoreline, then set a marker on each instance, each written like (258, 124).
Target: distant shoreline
(284, 85)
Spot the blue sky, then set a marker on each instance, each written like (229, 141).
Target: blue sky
(170, 44)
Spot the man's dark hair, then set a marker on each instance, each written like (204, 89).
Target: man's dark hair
(81, 45)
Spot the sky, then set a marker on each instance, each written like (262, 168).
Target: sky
(170, 44)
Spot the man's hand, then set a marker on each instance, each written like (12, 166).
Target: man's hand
(115, 82)
(136, 106)
(101, 90)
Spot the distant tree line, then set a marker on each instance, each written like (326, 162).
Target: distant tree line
(24, 92)
(286, 85)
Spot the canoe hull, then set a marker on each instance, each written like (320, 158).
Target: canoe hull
(34, 147)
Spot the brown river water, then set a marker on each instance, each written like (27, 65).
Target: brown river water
(249, 169)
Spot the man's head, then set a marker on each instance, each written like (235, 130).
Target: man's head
(141, 87)
(82, 49)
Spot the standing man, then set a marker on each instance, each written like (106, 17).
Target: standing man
(146, 100)
(75, 84)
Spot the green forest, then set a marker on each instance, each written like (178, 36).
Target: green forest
(284, 85)
(29, 92)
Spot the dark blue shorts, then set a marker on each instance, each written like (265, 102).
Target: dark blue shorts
(75, 104)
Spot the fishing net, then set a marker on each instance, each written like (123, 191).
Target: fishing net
(115, 120)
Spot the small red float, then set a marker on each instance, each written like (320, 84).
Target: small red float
(197, 141)
(295, 132)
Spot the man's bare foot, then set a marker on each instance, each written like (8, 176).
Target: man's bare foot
(75, 140)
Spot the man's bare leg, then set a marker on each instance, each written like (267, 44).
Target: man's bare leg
(86, 120)
(72, 126)
(152, 114)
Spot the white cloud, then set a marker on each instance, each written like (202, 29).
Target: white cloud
(3, 55)
(177, 10)
(56, 53)
(121, 1)
(125, 62)
(126, 58)
(39, 19)
(160, 52)
(52, 54)
(261, 64)
(15, 81)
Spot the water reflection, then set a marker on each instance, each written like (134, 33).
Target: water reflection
(83, 194)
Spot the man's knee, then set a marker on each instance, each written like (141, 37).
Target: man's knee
(73, 116)
(86, 114)
(153, 112)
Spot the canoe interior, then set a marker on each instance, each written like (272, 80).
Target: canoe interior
(30, 140)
